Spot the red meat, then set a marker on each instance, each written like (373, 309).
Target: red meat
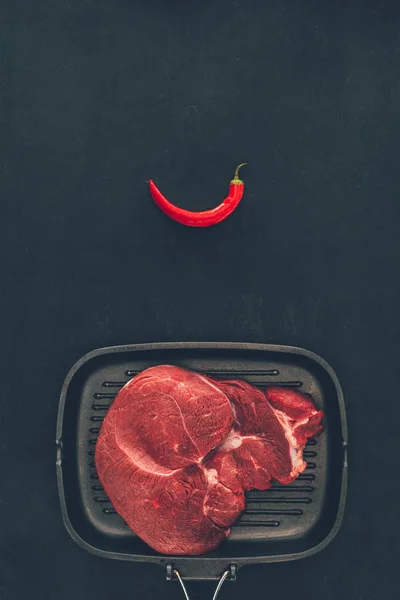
(177, 450)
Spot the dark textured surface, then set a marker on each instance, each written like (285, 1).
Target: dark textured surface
(98, 97)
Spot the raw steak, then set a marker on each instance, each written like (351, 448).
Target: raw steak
(177, 450)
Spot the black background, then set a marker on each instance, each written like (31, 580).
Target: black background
(97, 97)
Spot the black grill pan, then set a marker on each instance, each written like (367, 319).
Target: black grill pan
(280, 524)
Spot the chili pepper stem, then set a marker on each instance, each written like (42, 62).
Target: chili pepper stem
(236, 176)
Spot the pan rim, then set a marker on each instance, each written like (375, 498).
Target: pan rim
(161, 559)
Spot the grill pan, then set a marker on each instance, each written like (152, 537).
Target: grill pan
(280, 524)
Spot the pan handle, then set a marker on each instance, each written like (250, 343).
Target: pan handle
(224, 576)
(228, 574)
(176, 574)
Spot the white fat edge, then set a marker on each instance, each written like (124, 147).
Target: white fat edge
(212, 384)
(147, 466)
(211, 475)
(125, 385)
(232, 441)
(147, 376)
(295, 450)
(132, 378)
(235, 411)
(305, 421)
(146, 463)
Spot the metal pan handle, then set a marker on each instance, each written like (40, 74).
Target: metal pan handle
(228, 574)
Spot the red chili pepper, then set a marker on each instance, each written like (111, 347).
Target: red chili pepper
(204, 218)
